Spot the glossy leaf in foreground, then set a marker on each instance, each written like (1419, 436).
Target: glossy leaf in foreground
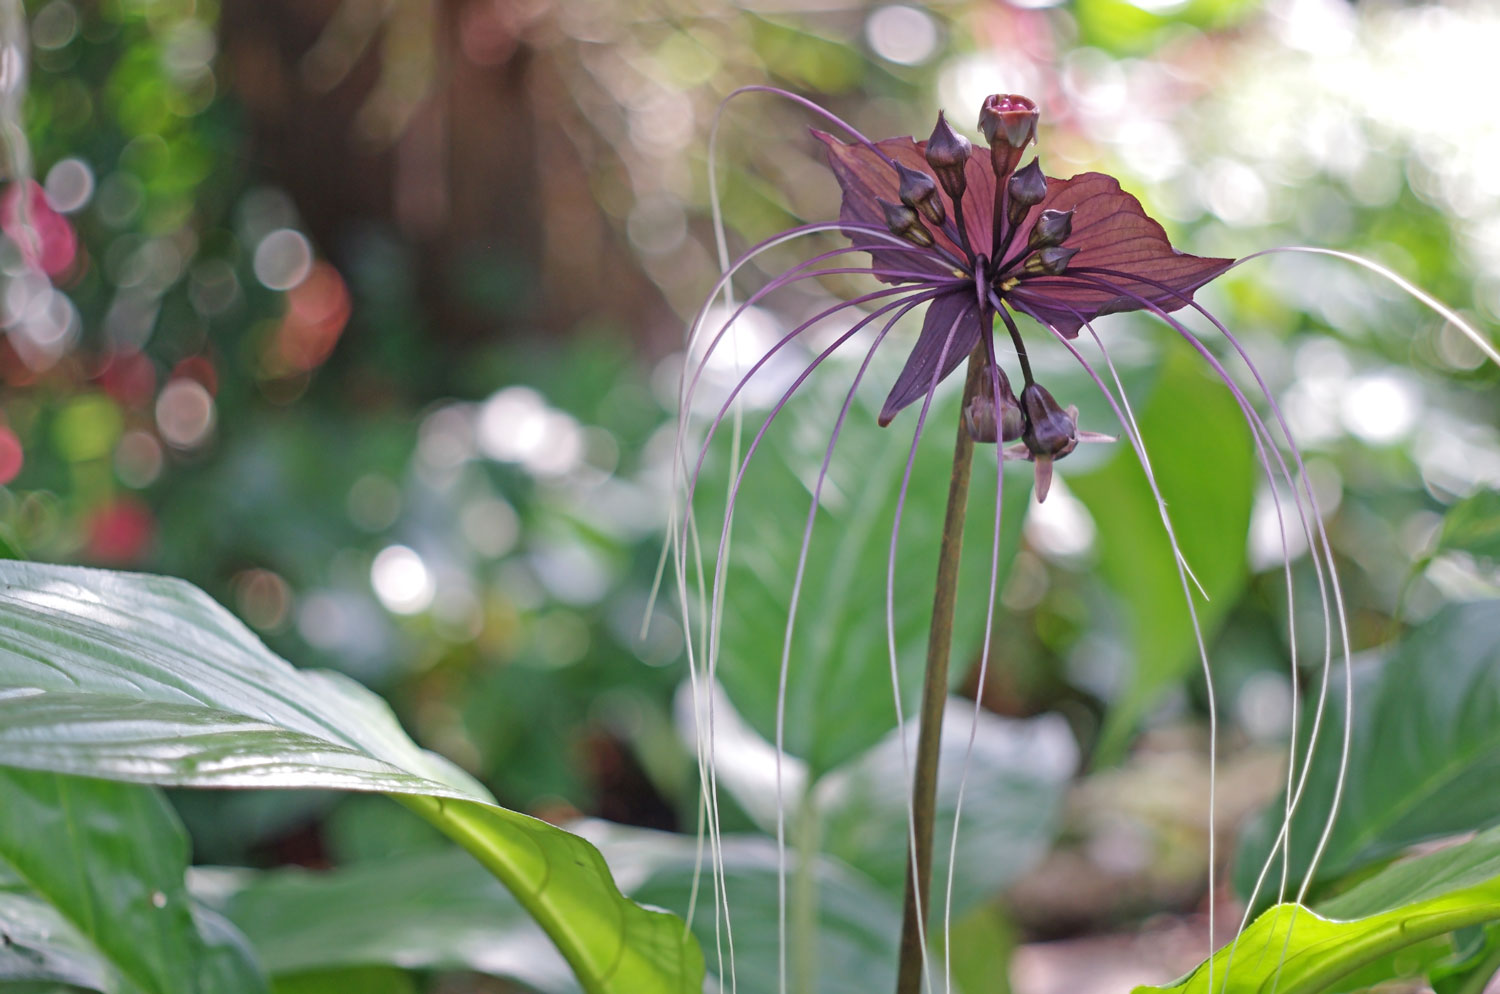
(142, 678)
(1295, 950)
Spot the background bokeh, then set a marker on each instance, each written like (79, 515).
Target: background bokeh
(367, 317)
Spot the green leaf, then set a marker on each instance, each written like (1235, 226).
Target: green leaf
(431, 911)
(1293, 950)
(1473, 525)
(843, 930)
(839, 687)
(366, 980)
(146, 679)
(421, 912)
(110, 858)
(1205, 465)
(1424, 757)
(1018, 775)
(1472, 969)
(1466, 864)
(983, 943)
(40, 945)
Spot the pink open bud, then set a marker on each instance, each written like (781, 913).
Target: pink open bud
(1008, 123)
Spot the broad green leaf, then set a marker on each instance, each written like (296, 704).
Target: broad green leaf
(431, 910)
(110, 858)
(1473, 525)
(1466, 864)
(843, 931)
(1472, 969)
(1017, 778)
(839, 699)
(982, 944)
(145, 679)
(1424, 757)
(1294, 950)
(418, 912)
(1205, 465)
(40, 945)
(365, 980)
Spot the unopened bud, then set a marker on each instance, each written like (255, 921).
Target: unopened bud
(1052, 228)
(1027, 187)
(992, 418)
(948, 153)
(1050, 430)
(1050, 261)
(1008, 123)
(903, 221)
(919, 192)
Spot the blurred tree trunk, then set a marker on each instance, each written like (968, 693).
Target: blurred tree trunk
(443, 124)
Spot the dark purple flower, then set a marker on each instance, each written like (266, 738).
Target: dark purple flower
(1063, 251)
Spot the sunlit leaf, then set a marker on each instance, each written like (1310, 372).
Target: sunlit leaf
(1294, 950)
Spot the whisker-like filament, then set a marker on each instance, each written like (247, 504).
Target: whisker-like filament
(1322, 540)
(993, 370)
(786, 649)
(717, 586)
(1127, 423)
(890, 625)
(1322, 536)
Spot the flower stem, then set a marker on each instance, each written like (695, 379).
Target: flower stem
(934, 695)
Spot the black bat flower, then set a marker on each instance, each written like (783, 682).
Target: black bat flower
(971, 239)
(990, 238)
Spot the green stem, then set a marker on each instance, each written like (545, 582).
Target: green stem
(804, 938)
(934, 695)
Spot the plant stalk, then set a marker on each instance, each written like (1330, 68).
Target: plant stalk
(934, 696)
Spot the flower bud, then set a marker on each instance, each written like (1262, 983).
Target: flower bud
(1027, 187)
(1050, 261)
(903, 221)
(1050, 434)
(1008, 122)
(948, 153)
(1050, 430)
(919, 192)
(990, 418)
(1052, 228)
